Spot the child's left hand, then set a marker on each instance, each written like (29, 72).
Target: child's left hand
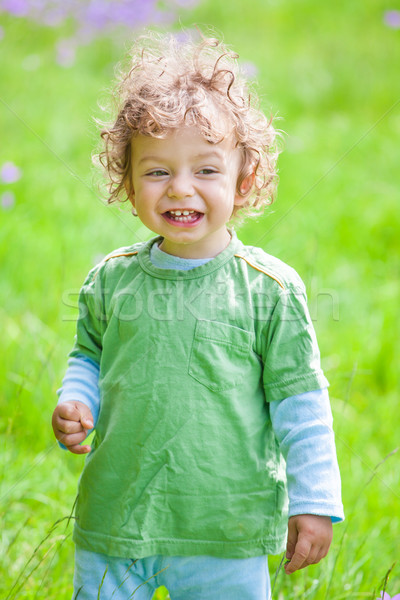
(308, 542)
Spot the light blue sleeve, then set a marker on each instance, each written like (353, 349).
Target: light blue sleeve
(81, 383)
(303, 427)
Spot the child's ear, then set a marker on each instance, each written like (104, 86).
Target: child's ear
(244, 189)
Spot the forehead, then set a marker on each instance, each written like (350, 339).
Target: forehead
(184, 141)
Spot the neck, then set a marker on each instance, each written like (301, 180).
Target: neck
(206, 248)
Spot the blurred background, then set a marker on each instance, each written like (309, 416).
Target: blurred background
(329, 74)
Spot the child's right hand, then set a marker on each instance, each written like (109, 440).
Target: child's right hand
(71, 421)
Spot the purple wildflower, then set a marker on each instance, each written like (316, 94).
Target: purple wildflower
(97, 14)
(10, 173)
(18, 8)
(186, 35)
(66, 52)
(187, 3)
(249, 69)
(101, 16)
(391, 18)
(7, 200)
(54, 17)
(385, 596)
(93, 17)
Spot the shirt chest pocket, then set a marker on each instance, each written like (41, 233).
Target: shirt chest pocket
(219, 354)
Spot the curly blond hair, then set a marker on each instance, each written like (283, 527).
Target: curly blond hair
(172, 82)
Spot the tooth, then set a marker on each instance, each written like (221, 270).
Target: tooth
(178, 213)
(186, 212)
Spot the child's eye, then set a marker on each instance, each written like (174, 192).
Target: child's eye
(157, 173)
(207, 171)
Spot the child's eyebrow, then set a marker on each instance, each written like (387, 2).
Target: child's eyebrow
(150, 158)
(211, 154)
(204, 155)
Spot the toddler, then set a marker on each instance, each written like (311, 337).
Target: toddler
(195, 359)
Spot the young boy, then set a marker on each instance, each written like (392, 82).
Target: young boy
(195, 359)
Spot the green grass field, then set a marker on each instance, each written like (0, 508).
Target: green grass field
(330, 72)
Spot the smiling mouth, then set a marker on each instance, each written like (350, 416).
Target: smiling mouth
(182, 216)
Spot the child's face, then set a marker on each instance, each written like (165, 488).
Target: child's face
(184, 189)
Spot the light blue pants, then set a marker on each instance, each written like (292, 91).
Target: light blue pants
(186, 577)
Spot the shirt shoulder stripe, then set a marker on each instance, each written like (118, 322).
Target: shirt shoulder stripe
(121, 254)
(107, 258)
(262, 270)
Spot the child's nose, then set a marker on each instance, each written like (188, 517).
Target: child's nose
(181, 186)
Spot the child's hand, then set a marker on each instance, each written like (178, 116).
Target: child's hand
(308, 542)
(70, 421)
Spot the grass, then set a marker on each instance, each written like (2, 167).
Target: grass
(329, 72)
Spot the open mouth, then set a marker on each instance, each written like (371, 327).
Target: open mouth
(184, 217)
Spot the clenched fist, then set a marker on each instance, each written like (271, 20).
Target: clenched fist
(71, 422)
